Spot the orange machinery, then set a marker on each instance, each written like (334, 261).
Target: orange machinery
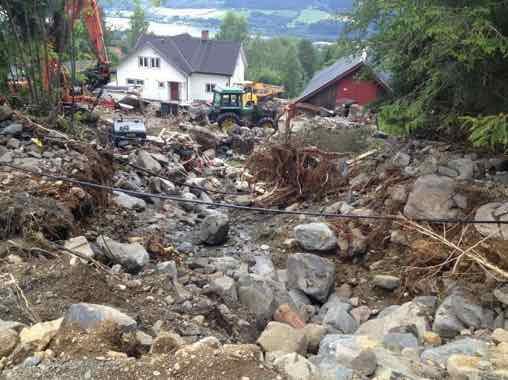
(96, 77)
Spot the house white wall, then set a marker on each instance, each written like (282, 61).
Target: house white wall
(239, 74)
(130, 69)
(192, 87)
(198, 82)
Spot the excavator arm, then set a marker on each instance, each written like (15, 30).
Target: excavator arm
(89, 9)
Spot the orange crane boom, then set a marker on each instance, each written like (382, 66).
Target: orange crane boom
(89, 9)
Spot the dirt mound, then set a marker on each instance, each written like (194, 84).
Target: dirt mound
(25, 215)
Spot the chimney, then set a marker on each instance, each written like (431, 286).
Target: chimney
(205, 35)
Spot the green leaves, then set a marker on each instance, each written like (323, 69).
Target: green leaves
(448, 61)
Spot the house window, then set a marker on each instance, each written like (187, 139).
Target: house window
(210, 87)
(136, 82)
(155, 63)
(143, 62)
(162, 85)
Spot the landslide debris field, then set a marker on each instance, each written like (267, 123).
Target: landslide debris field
(99, 284)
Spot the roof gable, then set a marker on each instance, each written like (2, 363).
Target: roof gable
(335, 72)
(194, 55)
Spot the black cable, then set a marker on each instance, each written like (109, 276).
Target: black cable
(256, 209)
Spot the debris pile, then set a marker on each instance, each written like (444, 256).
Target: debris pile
(130, 280)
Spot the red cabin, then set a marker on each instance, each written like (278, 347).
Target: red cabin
(345, 82)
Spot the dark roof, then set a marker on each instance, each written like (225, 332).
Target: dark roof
(336, 72)
(195, 55)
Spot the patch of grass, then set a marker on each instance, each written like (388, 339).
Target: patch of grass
(311, 16)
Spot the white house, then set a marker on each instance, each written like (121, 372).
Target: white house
(182, 68)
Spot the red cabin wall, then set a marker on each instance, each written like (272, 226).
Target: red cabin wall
(360, 91)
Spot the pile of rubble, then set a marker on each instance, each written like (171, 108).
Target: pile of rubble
(148, 287)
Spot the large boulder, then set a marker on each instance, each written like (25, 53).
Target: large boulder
(5, 112)
(40, 333)
(87, 316)
(214, 229)
(311, 274)
(467, 346)
(316, 236)
(456, 313)
(147, 162)
(123, 200)
(411, 314)
(495, 212)
(133, 257)
(258, 297)
(434, 197)
(281, 337)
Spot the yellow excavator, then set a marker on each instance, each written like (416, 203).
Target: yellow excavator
(257, 92)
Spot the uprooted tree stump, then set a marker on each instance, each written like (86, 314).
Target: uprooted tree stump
(293, 172)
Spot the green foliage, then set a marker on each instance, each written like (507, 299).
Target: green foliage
(448, 61)
(137, 24)
(293, 75)
(234, 27)
(308, 58)
(275, 61)
(489, 131)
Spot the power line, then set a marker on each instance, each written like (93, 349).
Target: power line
(254, 209)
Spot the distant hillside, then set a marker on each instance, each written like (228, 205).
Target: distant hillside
(296, 5)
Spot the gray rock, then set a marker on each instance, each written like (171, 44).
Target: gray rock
(339, 318)
(456, 313)
(365, 363)
(501, 294)
(80, 245)
(432, 197)
(282, 337)
(467, 346)
(8, 341)
(401, 159)
(6, 157)
(398, 341)
(146, 161)
(493, 212)
(361, 314)
(299, 298)
(446, 323)
(11, 325)
(264, 267)
(13, 129)
(168, 267)
(315, 236)
(31, 361)
(296, 367)
(408, 314)
(87, 315)
(259, 299)
(128, 202)
(5, 112)
(133, 257)
(226, 288)
(214, 229)
(311, 274)
(386, 282)
(329, 369)
(13, 143)
(465, 168)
